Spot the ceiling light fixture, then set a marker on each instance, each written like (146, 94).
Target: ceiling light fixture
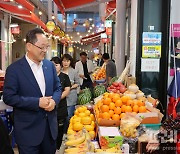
(40, 13)
(20, 6)
(53, 17)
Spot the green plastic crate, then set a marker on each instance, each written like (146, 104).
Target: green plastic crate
(152, 126)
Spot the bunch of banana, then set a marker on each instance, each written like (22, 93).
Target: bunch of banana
(110, 150)
(128, 131)
(74, 136)
(76, 141)
(79, 143)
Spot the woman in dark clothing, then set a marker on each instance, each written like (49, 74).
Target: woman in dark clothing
(62, 112)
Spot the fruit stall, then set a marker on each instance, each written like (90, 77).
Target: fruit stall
(114, 119)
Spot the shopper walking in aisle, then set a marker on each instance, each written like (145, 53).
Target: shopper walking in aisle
(110, 68)
(62, 112)
(67, 63)
(100, 60)
(33, 88)
(85, 68)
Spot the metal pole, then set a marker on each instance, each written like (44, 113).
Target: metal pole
(120, 35)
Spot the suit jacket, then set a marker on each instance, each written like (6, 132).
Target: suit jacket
(22, 92)
(100, 62)
(80, 70)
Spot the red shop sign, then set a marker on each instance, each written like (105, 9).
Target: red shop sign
(15, 30)
(106, 40)
(109, 31)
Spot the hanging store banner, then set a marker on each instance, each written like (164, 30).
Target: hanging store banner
(105, 40)
(15, 30)
(50, 25)
(149, 65)
(108, 23)
(57, 30)
(175, 30)
(175, 47)
(151, 44)
(109, 31)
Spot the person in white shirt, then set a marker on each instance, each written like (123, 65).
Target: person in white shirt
(85, 69)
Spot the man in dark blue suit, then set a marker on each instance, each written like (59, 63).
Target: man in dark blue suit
(33, 89)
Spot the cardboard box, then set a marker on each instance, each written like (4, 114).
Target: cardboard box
(109, 137)
(149, 118)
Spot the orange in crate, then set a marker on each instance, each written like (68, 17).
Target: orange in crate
(123, 108)
(118, 103)
(112, 106)
(142, 109)
(106, 115)
(115, 117)
(136, 108)
(130, 102)
(105, 108)
(125, 99)
(128, 109)
(111, 113)
(117, 110)
(106, 101)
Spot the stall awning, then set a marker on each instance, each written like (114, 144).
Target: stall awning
(13, 9)
(68, 4)
(34, 19)
(26, 4)
(23, 14)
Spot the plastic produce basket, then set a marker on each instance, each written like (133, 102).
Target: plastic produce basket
(152, 126)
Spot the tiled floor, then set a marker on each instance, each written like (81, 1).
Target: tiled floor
(61, 151)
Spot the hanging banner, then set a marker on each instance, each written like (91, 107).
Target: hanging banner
(108, 23)
(57, 30)
(151, 44)
(109, 31)
(15, 30)
(175, 47)
(50, 25)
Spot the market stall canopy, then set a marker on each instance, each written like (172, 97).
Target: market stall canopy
(26, 4)
(65, 5)
(22, 13)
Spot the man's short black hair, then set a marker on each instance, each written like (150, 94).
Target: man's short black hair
(105, 56)
(31, 35)
(83, 54)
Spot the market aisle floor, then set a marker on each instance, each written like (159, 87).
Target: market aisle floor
(60, 152)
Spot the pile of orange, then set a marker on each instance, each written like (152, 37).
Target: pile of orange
(99, 74)
(114, 107)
